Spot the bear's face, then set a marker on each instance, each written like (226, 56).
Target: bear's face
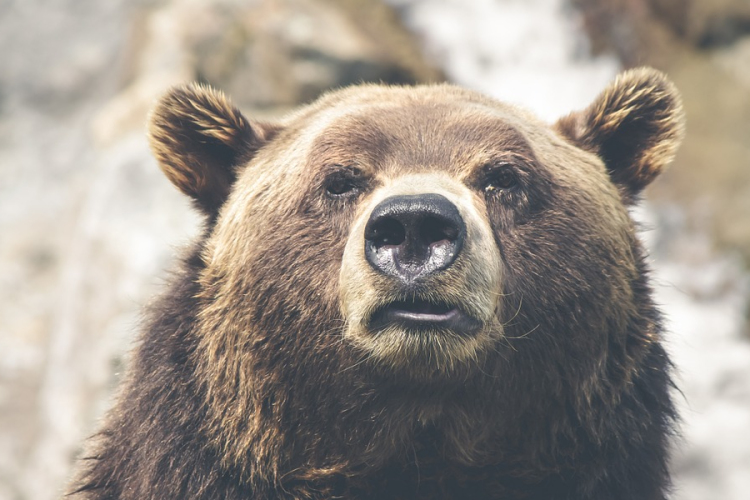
(416, 231)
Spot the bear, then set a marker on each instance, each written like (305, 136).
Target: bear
(413, 292)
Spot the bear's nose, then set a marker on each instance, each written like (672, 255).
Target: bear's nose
(412, 236)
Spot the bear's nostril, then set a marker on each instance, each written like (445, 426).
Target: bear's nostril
(438, 230)
(386, 232)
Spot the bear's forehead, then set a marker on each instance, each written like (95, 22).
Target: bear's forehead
(428, 129)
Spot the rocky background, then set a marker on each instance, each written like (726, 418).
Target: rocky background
(89, 226)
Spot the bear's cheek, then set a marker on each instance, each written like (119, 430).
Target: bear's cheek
(564, 270)
(279, 261)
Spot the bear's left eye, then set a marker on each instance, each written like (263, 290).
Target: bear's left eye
(344, 183)
(499, 177)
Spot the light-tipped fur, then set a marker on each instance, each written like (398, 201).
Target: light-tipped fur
(635, 125)
(200, 140)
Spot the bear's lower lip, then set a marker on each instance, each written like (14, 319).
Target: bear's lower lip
(420, 315)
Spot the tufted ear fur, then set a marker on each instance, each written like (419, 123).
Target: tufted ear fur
(201, 141)
(635, 125)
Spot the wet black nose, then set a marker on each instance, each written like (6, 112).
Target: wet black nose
(411, 236)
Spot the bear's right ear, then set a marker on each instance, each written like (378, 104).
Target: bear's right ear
(201, 141)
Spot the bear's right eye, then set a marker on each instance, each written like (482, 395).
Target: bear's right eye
(344, 183)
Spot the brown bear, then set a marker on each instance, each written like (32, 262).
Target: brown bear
(402, 293)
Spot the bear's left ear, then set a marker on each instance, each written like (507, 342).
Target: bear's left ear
(201, 141)
(635, 125)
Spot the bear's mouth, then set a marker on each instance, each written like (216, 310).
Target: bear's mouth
(420, 315)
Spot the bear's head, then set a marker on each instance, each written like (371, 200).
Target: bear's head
(425, 240)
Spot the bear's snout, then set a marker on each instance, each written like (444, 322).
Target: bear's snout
(421, 276)
(409, 237)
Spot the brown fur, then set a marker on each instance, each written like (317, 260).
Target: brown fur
(258, 377)
(200, 139)
(635, 125)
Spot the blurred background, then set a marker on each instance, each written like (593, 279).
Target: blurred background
(89, 227)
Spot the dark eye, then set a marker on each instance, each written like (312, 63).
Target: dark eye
(499, 178)
(344, 183)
